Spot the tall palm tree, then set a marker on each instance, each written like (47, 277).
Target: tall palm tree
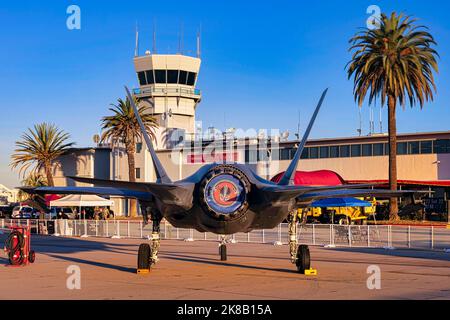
(395, 62)
(123, 126)
(34, 179)
(39, 148)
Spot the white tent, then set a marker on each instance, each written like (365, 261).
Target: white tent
(81, 200)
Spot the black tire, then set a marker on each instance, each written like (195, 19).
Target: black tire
(303, 258)
(31, 256)
(144, 254)
(223, 252)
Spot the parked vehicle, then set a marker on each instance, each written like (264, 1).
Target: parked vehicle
(23, 212)
(6, 211)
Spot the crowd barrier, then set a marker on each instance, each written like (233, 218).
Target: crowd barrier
(386, 236)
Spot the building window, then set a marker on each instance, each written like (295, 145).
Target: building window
(138, 173)
(172, 76)
(402, 148)
(160, 76)
(141, 77)
(355, 150)
(285, 154)
(191, 78)
(366, 150)
(386, 148)
(150, 77)
(442, 146)
(305, 154)
(344, 151)
(426, 147)
(378, 149)
(313, 152)
(413, 147)
(334, 152)
(324, 152)
(183, 77)
(138, 147)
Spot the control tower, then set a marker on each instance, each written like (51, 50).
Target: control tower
(167, 84)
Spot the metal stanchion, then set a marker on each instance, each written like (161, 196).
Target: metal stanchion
(314, 234)
(349, 235)
(432, 237)
(263, 237)
(409, 236)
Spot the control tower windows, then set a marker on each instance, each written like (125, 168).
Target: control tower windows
(191, 78)
(166, 76)
(141, 77)
(172, 76)
(160, 76)
(150, 77)
(183, 77)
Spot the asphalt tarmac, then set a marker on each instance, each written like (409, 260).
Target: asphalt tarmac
(193, 270)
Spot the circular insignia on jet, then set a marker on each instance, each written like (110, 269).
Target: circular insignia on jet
(224, 194)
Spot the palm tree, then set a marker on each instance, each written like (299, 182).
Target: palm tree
(34, 179)
(39, 148)
(123, 126)
(395, 62)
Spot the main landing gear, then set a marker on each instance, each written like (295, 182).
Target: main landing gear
(299, 253)
(148, 253)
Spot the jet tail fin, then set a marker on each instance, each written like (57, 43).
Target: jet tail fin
(160, 172)
(288, 176)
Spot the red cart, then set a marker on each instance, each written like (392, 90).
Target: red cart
(18, 246)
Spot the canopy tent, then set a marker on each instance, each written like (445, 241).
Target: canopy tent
(81, 200)
(340, 202)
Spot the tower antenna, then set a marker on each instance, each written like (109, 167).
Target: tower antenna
(198, 41)
(136, 48)
(154, 36)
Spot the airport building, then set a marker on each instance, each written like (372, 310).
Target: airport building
(167, 84)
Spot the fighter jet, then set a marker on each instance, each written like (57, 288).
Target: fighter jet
(222, 198)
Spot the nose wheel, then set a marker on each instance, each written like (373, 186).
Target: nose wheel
(223, 252)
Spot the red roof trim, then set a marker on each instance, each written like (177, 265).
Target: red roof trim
(438, 183)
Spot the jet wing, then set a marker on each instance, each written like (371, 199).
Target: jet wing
(311, 196)
(89, 190)
(177, 193)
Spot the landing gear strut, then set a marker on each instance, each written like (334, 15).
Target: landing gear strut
(299, 253)
(148, 253)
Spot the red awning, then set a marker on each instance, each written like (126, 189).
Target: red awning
(51, 197)
(438, 183)
(314, 178)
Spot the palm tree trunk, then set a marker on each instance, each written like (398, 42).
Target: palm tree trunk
(132, 175)
(393, 204)
(49, 175)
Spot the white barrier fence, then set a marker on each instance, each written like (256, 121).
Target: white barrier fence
(387, 236)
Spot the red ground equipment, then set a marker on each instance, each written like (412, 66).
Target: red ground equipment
(18, 246)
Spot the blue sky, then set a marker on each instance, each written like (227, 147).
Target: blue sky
(262, 62)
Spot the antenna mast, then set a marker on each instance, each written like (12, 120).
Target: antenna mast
(136, 48)
(198, 42)
(154, 37)
(360, 123)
